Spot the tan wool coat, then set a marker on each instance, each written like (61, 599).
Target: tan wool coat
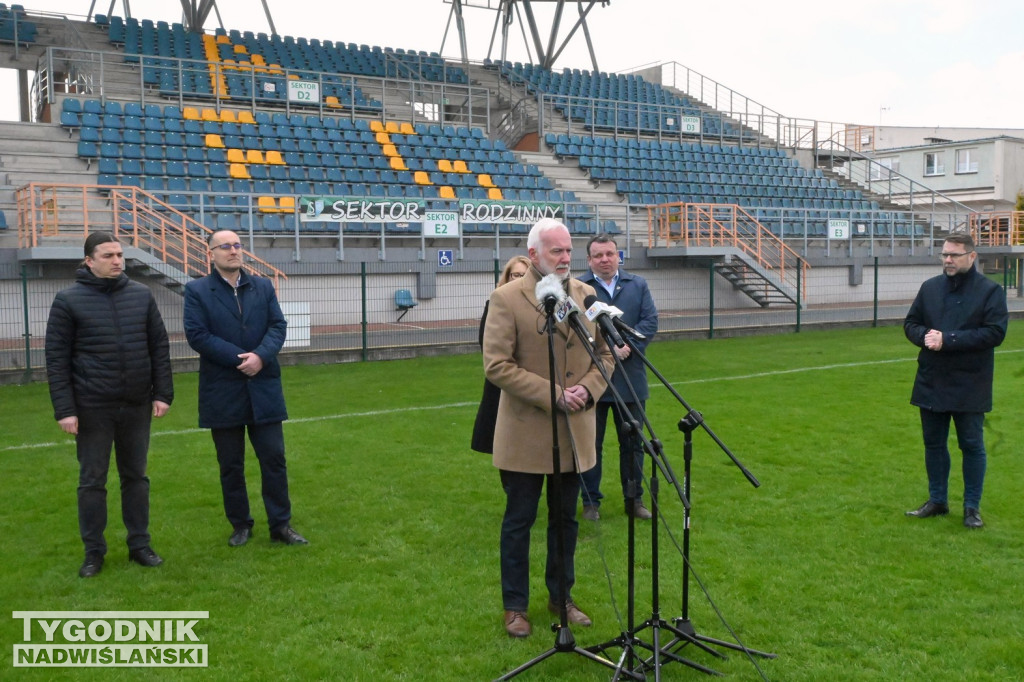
(515, 350)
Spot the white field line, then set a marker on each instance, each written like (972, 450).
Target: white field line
(448, 406)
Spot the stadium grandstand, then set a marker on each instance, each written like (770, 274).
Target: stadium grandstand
(356, 173)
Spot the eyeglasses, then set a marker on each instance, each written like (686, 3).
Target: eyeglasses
(516, 275)
(227, 247)
(954, 255)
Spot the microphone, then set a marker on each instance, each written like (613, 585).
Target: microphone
(569, 312)
(549, 291)
(603, 314)
(614, 313)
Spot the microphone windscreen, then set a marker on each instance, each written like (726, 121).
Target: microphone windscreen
(550, 285)
(590, 300)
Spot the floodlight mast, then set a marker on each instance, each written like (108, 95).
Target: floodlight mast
(507, 12)
(193, 13)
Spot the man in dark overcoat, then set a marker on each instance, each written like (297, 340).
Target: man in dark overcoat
(957, 319)
(630, 294)
(234, 321)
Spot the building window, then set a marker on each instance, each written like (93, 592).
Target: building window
(965, 161)
(883, 169)
(933, 164)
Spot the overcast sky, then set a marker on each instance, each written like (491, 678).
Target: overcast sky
(894, 62)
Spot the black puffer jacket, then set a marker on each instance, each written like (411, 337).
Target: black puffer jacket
(106, 345)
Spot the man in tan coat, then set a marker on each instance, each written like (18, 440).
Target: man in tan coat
(515, 350)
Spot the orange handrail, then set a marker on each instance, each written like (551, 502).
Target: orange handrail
(997, 228)
(702, 224)
(54, 213)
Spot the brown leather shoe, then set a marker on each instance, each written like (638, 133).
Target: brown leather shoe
(637, 510)
(576, 617)
(517, 624)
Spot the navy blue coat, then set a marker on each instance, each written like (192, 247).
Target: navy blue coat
(970, 311)
(219, 327)
(633, 297)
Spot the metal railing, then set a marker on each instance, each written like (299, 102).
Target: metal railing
(727, 225)
(55, 214)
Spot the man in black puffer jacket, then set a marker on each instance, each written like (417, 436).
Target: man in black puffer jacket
(109, 367)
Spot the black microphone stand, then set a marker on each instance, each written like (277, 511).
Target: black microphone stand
(564, 640)
(685, 631)
(629, 640)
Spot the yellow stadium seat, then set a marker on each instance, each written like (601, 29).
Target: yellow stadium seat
(485, 180)
(397, 163)
(421, 178)
(213, 140)
(239, 171)
(460, 166)
(389, 150)
(254, 156)
(266, 204)
(407, 129)
(332, 101)
(274, 158)
(287, 204)
(445, 166)
(228, 116)
(257, 59)
(191, 113)
(376, 127)
(240, 49)
(245, 117)
(229, 65)
(236, 156)
(382, 138)
(294, 77)
(223, 39)
(446, 192)
(495, 194)
(392, 127)
(210, 115)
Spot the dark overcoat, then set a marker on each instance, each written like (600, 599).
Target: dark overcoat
(633, 297)
(221, 323)
(970, 311)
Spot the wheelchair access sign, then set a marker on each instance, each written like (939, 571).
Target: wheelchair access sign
(445, 258)
(441, 224)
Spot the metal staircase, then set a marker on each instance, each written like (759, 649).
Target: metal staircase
(742, 250)
(165, 243)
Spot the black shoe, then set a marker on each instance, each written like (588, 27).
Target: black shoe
(240, 536)
(288, 536)
(929, 508)
(972, 518)
(637, 510)
(145, 556)
(92, 565)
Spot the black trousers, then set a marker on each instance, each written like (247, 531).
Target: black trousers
(126, 430)
(268, 442)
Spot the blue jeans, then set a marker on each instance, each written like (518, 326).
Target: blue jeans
(268, 443)
(522, 496)
(970, 438)
(631, 455)
(126, 429)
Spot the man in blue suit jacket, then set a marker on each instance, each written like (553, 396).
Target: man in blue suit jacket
(630, 294)
(234, 322)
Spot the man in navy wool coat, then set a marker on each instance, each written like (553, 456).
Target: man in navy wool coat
(234, 322)
(629, 293)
